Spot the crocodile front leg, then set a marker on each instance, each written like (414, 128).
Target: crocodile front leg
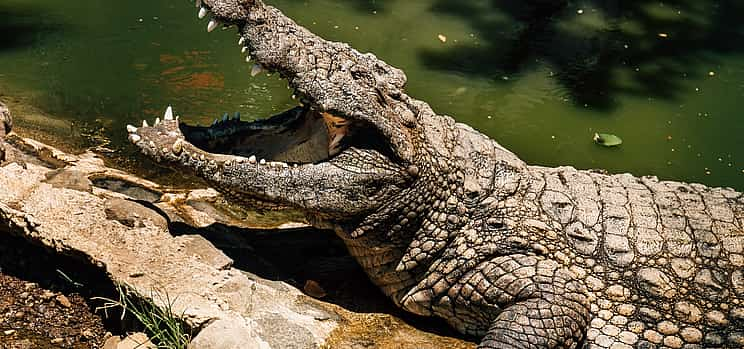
(551, 310)
(517, 301)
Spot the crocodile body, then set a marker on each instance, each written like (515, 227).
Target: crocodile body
(449, 223)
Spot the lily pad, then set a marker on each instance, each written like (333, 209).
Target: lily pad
(607, 140)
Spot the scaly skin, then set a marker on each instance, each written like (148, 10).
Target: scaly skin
(448, 223)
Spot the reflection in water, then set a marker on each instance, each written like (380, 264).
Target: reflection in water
(597, 48)
(539, 76)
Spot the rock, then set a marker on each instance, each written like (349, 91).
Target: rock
(112, 343)
(137, 340)
(226, 334)
(47, 295)
(132, 214)
(70, 179)
(200, 247)
(87, 334)
(63, 301)
(313, 289)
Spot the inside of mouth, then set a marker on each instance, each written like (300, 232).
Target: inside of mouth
(297, 136)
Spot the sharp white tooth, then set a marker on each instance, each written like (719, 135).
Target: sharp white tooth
(252, 159)
(177, 147)
(247, 58)
(144, 123)
(131, 129)
(157, 121)
(213, 23)
(241, 41)
(134, 138)
(168, 113)
(242, 50)
(198, 3)
(178, 117)
(203, 12)
(257, 69)
(202, 157)
(262, 162)
(294, 97)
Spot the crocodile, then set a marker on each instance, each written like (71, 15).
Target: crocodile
(449, 223)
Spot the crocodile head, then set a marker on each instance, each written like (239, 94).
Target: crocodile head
(339, 156)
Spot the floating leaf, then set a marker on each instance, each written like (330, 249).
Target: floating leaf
(607, 140)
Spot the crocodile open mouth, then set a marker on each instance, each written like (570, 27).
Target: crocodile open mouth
(300, 135)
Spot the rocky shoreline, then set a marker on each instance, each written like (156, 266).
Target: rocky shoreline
(150, 238)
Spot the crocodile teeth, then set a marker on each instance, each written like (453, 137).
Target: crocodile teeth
(247, 59)
(252, 159)
(144, 123)
(257, 69)
(168, 113)
(262, 162)
(157, 121)
(198, 3)
(131, 129)
(177, 147)
(241, 41)
(203, 12)
(213, 23)
(242, 50)
(134, 138)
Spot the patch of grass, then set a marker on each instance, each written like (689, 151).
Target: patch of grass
(162, 325)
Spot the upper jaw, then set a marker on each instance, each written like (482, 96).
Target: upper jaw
(326, 76)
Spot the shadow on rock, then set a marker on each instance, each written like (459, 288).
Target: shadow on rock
(302, 255)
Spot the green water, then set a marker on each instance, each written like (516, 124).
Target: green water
(667, 77)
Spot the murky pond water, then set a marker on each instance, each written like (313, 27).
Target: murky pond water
(541, 77)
